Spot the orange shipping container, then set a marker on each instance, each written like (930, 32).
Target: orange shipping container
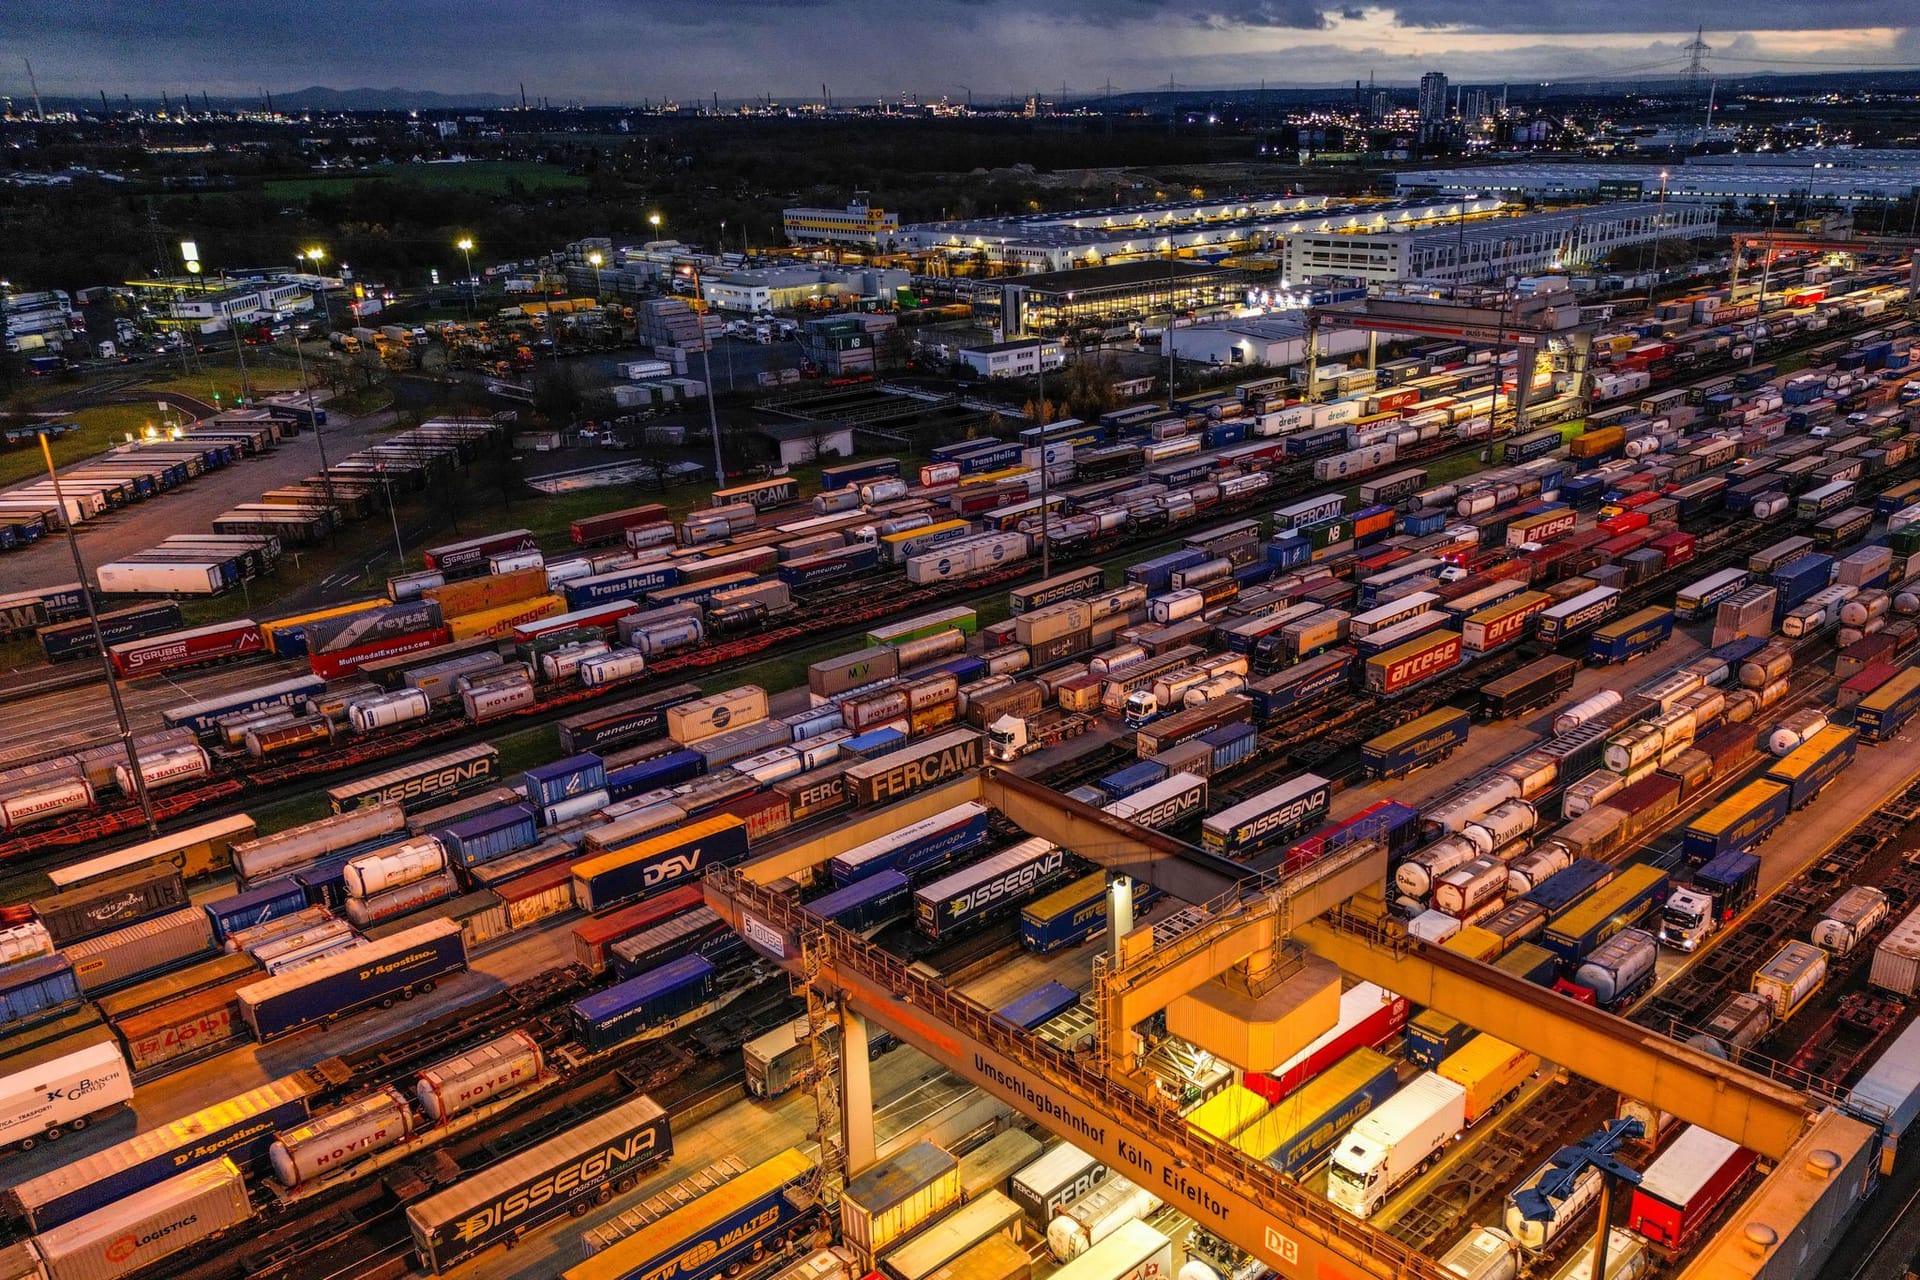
(496, 624)
(488, 592)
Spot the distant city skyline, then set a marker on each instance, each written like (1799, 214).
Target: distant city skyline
(617, 51)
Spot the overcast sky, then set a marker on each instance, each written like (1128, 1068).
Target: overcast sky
(613, 51)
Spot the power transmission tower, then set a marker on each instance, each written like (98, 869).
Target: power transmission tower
(1696, 50)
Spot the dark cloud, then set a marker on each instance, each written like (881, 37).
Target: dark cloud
(627, 50)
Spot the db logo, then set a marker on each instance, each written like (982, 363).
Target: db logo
(1286, 1250)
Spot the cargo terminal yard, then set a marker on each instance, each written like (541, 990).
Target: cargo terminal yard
(1325, 869)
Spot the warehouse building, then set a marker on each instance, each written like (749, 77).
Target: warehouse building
(1492, 250)
(1825, 179)
(1274, 341)
(755, 290)
(1116, 296)
(858, 226)
(1212, 229)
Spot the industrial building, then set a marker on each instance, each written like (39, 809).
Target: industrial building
(858, 226)
(1828, 179)
(1491, 250)
(1017, 358)
(1214, 228)
(1122, 294)
(755, 290)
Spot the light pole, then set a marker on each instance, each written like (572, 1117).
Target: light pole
(100, 642)
(465, 245)
(653, 220)
(1766, 271)
(1659, 229)
(313, 415)
(706, 369)
(596, 258)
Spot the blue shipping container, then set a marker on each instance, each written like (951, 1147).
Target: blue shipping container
(339, 992)
(622, 1011)
(34, 988)
(665, 867)
(1431, 1042)
(1134, 777)
(876, 742)
(1156, 574)
(1049, 1000)
(866, 904)
(240, 1127)
(1232, 744)
(1562, 889)
(490, 835)
(829, 566)
(325, 883)
(621, 584)
(1312, 1141)
(267, 901)
(563, 779)
(669, 770)
(1288, 550)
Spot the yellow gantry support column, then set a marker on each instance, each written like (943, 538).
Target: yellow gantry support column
(1735, 1103)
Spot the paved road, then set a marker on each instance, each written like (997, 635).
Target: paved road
(193, 507)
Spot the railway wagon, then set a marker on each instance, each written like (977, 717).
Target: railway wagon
(744, 1218)
(602, 1156)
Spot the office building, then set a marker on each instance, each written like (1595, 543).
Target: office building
(858, 226)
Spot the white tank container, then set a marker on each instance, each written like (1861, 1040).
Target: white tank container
(1416, 875)
(1532, 869)
(391, 868)
(1864, 608)
(1590, 791)
(24, 942)
(1506, 823)
(1097, 1215)
(1794, 730)
(573, 807)
(334, 1139)
(38, 804)
(1631, 748)
(460, 1084)
(1586, 709)
(611, 667)
(1846, 923)
(484, 702)
(562, 663)
(666, 637)
(387, 709)
(1465, 890)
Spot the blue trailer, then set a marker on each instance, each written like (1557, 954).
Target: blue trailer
(1156, 575)
(203, 716)
(1564, 888)
(866, 904)
(1135, 777)
(1732, 880)
(656, 997)
(269, 900)
(1416, 744)
(1231, 744)
(1315, 444)
(659, 861)
(1630, 637)
(720, 1233)
(549, 784)
(697, 932)
(35, 989)
(621, 584)
(1309, 1138)
(847, 475)
(1800, 578)
(325, 882)
(669, 770)
(987, 456)
(829, 566)
(1433, 1037)
(394, 968)
(1318, 676)
(1808, 768)
(240, 1128)
(493, 834)
(1045, 1002)
(914, 850)
(1073, 913)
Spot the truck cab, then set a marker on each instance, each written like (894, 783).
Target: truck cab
(1007, 739)
(1688, 919)
(1142, 708)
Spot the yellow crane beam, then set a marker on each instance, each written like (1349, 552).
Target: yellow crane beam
(1301, 1236)
(1736, 1103)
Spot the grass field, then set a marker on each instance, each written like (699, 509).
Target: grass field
(100, 427)
(486, 177)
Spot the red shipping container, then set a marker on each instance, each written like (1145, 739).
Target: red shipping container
(1377, 523)
(1634, 501)
(331, 666)
(593, 937)
(1676, 547)
(1681, 1189)
(1625, 522)
(765, 813)
(1379, 562)
(183, 1026)
(1510, 571)
(1411, 663)
(603, 616)
(1614, 550)
(176, 649)
(609, 527)
(1384, 1020)
(1396, 400)
(1863, 682)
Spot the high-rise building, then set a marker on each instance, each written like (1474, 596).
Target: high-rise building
(1433, 101)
